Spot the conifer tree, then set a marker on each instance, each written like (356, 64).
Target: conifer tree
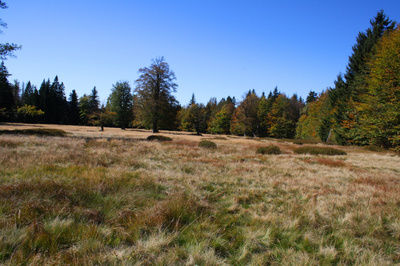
(347, 93)
(28, 96)
(263, 109)
(73, 109)
(7, 100)
(193, 118)
(94, 101)
(312, 96)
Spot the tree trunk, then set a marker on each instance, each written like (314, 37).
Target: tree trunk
(155, 126)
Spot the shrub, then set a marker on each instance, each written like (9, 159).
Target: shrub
(319, 150)
(29, 113)
(374, 148)
(207, 144)
(158, 138)
(271, 149)
(36, 131)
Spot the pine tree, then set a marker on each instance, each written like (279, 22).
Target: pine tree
(28, 96)
(58, 102)
(193, 118)
(312, 96)
(7, 100)
(94, 101)
(73, 109)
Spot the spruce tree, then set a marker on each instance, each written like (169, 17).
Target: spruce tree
(73, 109)
(28, 95)
(94, 101)
(311, 97)
(7, 100)
(348, 92)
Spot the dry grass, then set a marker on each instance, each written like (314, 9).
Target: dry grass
(325, 161)
(120, 200)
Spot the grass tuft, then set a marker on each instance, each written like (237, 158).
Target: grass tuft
(158, 138)
(319, 151)
(271, 149)
(207, 144)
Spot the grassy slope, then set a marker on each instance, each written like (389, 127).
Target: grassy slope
(70, 200)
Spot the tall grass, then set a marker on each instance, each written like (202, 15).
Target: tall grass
(71, 201)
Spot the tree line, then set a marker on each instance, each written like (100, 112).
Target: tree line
(363, 107)
(150, 105)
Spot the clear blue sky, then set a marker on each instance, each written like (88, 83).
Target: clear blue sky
(216, 47)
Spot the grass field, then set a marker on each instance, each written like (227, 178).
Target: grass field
(112, 197)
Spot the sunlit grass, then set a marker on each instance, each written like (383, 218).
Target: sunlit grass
(68, 200)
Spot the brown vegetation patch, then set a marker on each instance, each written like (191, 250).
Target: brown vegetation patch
(36, 131)
(325, 161)
(379, 184)
(9, 143)
(184, 142)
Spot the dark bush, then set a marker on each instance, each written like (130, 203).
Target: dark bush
(374, 148)
(158, 138)
(271, 149)
(319, 150)
(36, 131)
(207, 144)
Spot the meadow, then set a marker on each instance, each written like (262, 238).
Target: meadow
(112, 197)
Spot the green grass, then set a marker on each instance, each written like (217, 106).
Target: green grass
(313, 150)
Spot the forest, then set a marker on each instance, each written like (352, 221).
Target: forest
(362, 108)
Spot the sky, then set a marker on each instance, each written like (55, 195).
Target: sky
(215, 47)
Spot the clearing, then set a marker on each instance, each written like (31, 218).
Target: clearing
(113, 197)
